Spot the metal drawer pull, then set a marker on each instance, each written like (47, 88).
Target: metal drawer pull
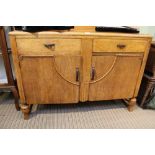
(50, 46)
(93, 73)
(77, 75)
(121, 46)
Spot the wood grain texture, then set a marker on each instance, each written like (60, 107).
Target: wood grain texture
(119, 82)
(43, 84)
(66, 67)
(132, 103)
(86, 68)
(102, 65)
(82, 66)
(77, 35)
(112, 45)
(84, 28)
(17, 68)
(37, 46)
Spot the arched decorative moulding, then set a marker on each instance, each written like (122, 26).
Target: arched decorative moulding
(62, 75)
(107, 73)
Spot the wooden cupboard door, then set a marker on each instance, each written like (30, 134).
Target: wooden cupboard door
(114, 76)
(51, 79)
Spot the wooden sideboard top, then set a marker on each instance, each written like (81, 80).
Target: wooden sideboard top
(75, 34)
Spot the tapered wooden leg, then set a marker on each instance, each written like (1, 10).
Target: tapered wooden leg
(26, 109)
(131, 104)
(16, 96)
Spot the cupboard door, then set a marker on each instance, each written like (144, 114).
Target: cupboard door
(51, 79)
(114, 76)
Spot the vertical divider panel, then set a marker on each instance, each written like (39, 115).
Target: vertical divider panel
(86, 52)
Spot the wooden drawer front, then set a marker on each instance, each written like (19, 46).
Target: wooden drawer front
(118, 45)
(49, 46)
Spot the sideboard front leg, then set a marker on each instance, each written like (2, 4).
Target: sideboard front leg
(26, 109)
(131, 104)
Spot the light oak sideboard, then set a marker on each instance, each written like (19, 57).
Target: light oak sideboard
(71, 67)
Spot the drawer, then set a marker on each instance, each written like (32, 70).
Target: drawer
(119, 45)
(49, 46)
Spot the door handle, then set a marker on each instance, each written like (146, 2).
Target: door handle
(77, 75)
(93, 73)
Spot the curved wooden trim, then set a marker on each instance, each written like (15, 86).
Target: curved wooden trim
(55, 65)
(57, 70)
(91, 82)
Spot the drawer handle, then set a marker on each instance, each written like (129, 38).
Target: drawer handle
(77, 75)
(50, 46)
(93, 73)
(121, 46)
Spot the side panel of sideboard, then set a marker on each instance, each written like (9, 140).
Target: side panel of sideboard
(15, 55)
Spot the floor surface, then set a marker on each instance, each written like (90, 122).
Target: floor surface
(94, 115)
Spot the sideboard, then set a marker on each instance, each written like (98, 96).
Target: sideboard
(68, 67)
